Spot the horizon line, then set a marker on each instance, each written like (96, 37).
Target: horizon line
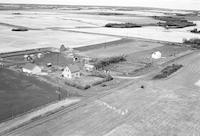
(52, 4)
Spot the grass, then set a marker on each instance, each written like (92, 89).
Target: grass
(122, 25)
(21, 93)
(101, 75)
(147, 65)
(168, 71)
(86, 82)
(101, 64)
(76, 84)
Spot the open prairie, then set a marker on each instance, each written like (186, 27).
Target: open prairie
(76, 28)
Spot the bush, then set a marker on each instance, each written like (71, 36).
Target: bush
(77, 85)
(98, 74)
(83, 86)
(122, 25)
(110, 14)
(173, 22)
(99, 82)
(101, 64)
(168, 71)
(195, 30)
(194, 42)
(19, 29)
(106, 77)
(147, 65)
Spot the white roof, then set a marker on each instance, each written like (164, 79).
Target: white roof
(25, 56)
(156, 55)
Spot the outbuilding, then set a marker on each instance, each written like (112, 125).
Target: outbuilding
(31, 68)
(156, 55)
(71, 71)
(39, 55)
(89, 67)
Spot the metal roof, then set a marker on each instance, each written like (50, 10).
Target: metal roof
(74, 68)
(30, 66)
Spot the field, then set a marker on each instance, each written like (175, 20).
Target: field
(168, 107)
(154, 33)
(18, 96)
(128, 46)
(12, 41)
(132, 103)
(138, 55)
(83, 27)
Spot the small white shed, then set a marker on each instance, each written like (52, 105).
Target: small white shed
(156, 55)
(89, 67)
(39, 55)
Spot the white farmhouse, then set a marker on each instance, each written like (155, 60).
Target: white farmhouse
(71, 71)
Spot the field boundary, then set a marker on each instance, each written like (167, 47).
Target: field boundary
(35, 113)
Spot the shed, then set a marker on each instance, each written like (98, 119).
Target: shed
(156, 55)
(39, 55)
(89, 67)
(31, 68)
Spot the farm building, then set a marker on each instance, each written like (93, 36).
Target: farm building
(40, 55)
(55, 59)
(86, 59)
(89, 67)
(71, 71)
(31, 68)
(1, 65)
(156, 55)
(63, 48)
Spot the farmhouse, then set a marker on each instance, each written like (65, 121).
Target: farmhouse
(31, 68)
(71, 71)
